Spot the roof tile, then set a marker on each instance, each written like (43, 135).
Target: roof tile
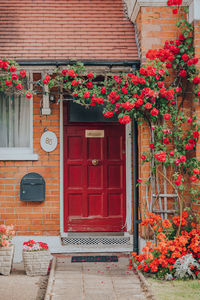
(66, 29)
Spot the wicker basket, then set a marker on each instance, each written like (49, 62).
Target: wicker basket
(6, 259)
(36, 262)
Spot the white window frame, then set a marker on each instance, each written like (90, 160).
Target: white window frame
(20, 153)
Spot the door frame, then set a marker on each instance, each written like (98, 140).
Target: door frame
(128, 178)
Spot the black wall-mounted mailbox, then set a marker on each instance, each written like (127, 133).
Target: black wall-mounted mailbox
(32, 188)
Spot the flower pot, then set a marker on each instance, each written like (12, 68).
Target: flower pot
(36, 262)
(6, 259)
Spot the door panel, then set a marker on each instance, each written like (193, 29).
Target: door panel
(94, 178)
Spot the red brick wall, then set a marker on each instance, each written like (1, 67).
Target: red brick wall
(33, 218)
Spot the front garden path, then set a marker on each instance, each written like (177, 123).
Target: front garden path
(95, 281)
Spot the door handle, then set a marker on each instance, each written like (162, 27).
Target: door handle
(95, 162)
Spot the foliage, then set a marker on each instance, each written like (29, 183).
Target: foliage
(34, 246)
(6, 235)
(158, 258)
(184, 266)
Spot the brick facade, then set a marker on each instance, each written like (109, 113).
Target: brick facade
(33, 218)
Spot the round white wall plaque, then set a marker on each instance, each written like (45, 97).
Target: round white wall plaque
(48, 141)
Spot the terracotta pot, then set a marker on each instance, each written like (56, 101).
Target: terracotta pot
(6, 259)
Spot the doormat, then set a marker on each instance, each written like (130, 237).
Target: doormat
(94, 259)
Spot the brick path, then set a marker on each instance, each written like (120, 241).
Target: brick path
(95, 281)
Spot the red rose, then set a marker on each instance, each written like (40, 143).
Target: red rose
(143, 157)
(14, 76)
(171, 153)
(152, 146)
(161, 72)
(181, 37)
(177, 182)
(89, 85)
(108, 114)
(167, 116)
(86, 95)
(182, 158)
(19, 86)
(125, 120)
(160, 83)
(196, 80)
(103, 90)
(90, 75)
(12, 69)
(29, 95)
(175, 11)
(198, 93)
(177, 162)
(168, 65)
(124, 90)
(189, 120)
(165, 141)
(74, 83)
(195, 134)
(193, 178)
(183, 73)
(139, 180)
(8, 82)
(148, 105)
(23, 73)
(185, 57)
(46, 79)
(154, 112)
(196, 171)
(160, 156)
(64, 72)
(75, 95)
(71, 73)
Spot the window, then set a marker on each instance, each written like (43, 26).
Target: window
(16, 128)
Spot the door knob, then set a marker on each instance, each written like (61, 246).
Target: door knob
(95, 162)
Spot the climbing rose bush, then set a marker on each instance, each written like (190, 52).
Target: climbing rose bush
(154, 94)
(173, 239)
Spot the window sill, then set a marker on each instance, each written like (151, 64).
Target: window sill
(18, 156)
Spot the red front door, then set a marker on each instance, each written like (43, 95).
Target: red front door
(94, 178)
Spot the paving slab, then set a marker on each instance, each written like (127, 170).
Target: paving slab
(19, 286)
(95, 280)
